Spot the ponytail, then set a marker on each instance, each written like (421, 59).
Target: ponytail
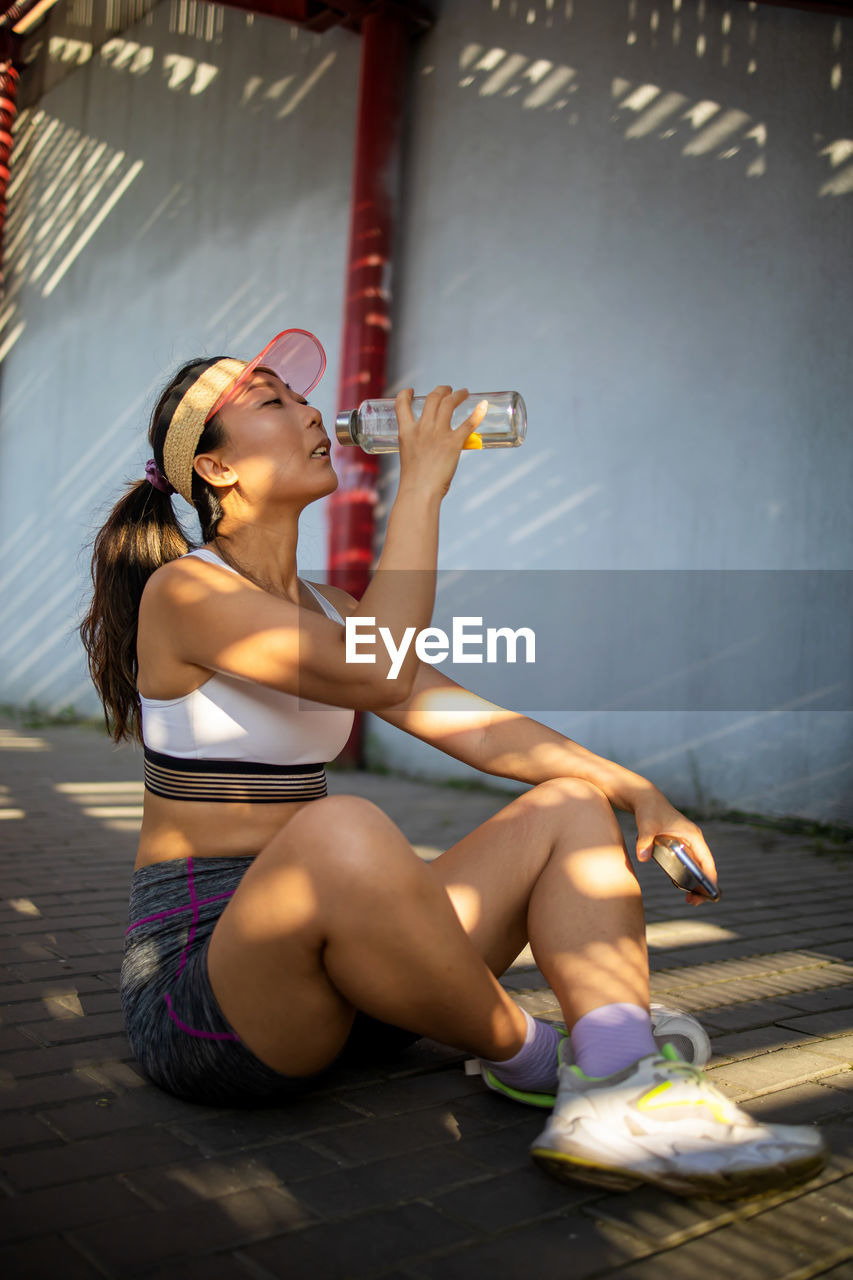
(141, 534)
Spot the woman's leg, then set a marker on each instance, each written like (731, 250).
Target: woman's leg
(338, 913)
(551, 867)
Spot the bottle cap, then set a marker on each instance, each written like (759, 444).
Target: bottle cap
(346, 425)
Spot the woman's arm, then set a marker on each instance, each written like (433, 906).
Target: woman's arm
(503, 742)
(509, 745)
(218, 621)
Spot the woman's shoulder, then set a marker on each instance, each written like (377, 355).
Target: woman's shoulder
(177, 581)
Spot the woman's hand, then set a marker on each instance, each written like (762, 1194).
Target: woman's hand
(655, 816)
(430, 447)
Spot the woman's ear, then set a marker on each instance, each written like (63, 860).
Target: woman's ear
(214, 471)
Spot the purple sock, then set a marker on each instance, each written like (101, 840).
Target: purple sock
(534, 1067)
(610, 1038)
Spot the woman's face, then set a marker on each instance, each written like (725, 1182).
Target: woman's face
(277, 449)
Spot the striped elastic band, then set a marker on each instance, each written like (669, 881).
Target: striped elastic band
(232, 780)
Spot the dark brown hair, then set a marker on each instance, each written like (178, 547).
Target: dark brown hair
(141, 533)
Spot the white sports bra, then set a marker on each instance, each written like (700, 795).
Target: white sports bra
(232, 719)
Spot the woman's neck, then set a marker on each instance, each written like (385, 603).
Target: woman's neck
(264, 555)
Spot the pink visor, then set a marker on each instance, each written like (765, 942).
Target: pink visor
(294, 355)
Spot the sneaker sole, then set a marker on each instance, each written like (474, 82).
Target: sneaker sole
(721, 1186)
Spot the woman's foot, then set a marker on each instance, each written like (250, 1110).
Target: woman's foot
(661, 1121)
(669, 1026)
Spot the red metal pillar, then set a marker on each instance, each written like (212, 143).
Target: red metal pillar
(367, 304)
(8, 99)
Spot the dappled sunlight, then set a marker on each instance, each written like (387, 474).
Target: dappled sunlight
(661, 935)
(643, 111)
(117, 806)
(11, 740)
(9, 812)
(24, 907)
(63, 1007)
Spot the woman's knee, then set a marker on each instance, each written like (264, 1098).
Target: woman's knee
(347, 840)
(558, 793)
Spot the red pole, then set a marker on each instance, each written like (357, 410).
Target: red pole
(367, 304)
(8, 98)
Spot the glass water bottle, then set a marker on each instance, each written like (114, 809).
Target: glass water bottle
(373, 425)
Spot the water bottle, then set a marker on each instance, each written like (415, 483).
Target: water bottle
(373, 425)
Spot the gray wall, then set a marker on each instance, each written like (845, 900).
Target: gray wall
(639, 215)
(643, 222)
(200, 152)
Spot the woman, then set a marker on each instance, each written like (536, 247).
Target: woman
(275, 930)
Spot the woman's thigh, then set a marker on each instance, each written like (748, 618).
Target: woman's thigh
(266, 956)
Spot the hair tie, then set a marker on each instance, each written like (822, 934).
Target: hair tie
(155, 477)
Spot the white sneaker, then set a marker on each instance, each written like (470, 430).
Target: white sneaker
(661, 1121)
(669, 1026)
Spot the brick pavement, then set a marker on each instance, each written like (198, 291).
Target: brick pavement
(414, 1171)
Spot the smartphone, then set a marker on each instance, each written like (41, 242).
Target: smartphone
(674, 856)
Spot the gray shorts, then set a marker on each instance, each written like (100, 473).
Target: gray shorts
(173, 1022)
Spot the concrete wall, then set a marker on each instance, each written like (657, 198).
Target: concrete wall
(640, 216)
(184, 192)
(637, 214)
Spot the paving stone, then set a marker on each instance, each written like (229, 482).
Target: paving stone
(188, 1181)
(60, 1208)
(50, 1256)
(415, 1093)
(361, 1246)
(780, 1070)
(24, 952)
(843, 950)
(844, 1271)
(747, 1044)
(113, 1112)
(26, 1130)
(61, 1006)
(809, 1103)
(222, 1266)
(70, 1030)
(660, 1219)
(33, 970)
(503, 1149)
(393, 1135)
(44, 1090)
(132, 1246)
(844, 1080)
(111, 1154)
(11, 993)
(736, 1250)
(815, 1227)
(12, 1040)
(198, 1213)
(229, 1129)
(571, 1245)
(817, 1001)
(840, 1047)
(509, 1200)
(387, 1182)
(832, 1022)
(44, 1059)
(741, 1017)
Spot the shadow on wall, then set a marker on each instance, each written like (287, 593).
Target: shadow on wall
(81, 198)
